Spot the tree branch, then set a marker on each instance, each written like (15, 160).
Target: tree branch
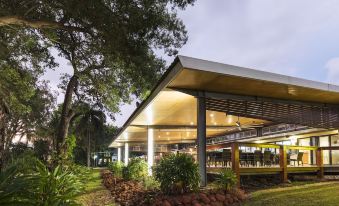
(37, 24)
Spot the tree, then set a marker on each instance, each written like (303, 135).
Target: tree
(89, 121)
(109, 44)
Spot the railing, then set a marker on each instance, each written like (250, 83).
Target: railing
(281, 162)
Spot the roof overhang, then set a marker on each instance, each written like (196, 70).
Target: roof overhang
(167, 110)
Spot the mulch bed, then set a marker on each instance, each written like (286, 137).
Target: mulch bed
(132, 193)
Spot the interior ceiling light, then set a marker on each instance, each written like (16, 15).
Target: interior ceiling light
(238, 124)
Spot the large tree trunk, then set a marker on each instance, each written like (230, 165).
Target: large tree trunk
(66, 116)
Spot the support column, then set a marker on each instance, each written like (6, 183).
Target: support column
(235, 161)
(320, 163)
(126, 154)
(150, 150)
(201, 137)
(283, 163)
(119, 154)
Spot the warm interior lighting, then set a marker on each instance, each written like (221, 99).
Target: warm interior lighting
(191, 123)
(149, 115)
(293, 140)
(150, 150)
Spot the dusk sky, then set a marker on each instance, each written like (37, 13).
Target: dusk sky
(297, 38)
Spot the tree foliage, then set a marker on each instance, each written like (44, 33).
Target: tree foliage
(109, 44)
(27, 103)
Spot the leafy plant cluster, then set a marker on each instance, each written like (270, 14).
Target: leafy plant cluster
(177, 173)
(135, 170)
(226, 179)
(116, 168)
(27, 181)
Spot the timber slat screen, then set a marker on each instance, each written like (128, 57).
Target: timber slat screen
(312, 115)
(283, 165)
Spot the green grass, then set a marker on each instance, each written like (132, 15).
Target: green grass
(95, 193)
(310, 194)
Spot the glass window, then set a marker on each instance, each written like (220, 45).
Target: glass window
(335, 157)
(335, 140)
(304, 142)
(306, 153)
(324, 141)
(326, 157)
(287, 142)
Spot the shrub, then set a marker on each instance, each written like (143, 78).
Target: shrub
(150, 183)
(116, 168)
(177, 173)
(56, 187)
(135, 170)
(226, 179)
(28, 181)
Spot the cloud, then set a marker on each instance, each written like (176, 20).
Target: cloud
(261, 34)
(332, 69)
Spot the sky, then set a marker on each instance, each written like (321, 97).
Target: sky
(297, 38)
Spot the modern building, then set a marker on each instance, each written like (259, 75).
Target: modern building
(252, 121)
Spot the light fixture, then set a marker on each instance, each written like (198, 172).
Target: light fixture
(191, 123)
(167, 133)
(237, 123)
(211, 115)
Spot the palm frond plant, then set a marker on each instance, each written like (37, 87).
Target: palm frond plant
(226, 179)
(27, 181)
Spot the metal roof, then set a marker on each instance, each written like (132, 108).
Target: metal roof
(167, 102)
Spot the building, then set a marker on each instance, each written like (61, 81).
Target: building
(228, 116)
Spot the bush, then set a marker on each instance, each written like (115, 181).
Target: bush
(177, 173)
(150, 183)
(28, 181)
(135, 170)
(226, 179)
(116, 168)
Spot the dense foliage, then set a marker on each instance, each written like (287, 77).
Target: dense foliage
(27, 181)
(108, 44)
(177, 173)
(226, 180)
(116, 168)
(135, 170)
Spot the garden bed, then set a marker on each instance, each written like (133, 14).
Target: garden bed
(133, 193)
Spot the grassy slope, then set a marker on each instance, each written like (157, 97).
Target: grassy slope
(316, 194)
(95, 192)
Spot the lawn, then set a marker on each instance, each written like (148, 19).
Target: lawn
(315, 194)
(95, 193)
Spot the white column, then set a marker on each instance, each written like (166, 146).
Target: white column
(150, 150)
(119, 154)
(126, 154)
